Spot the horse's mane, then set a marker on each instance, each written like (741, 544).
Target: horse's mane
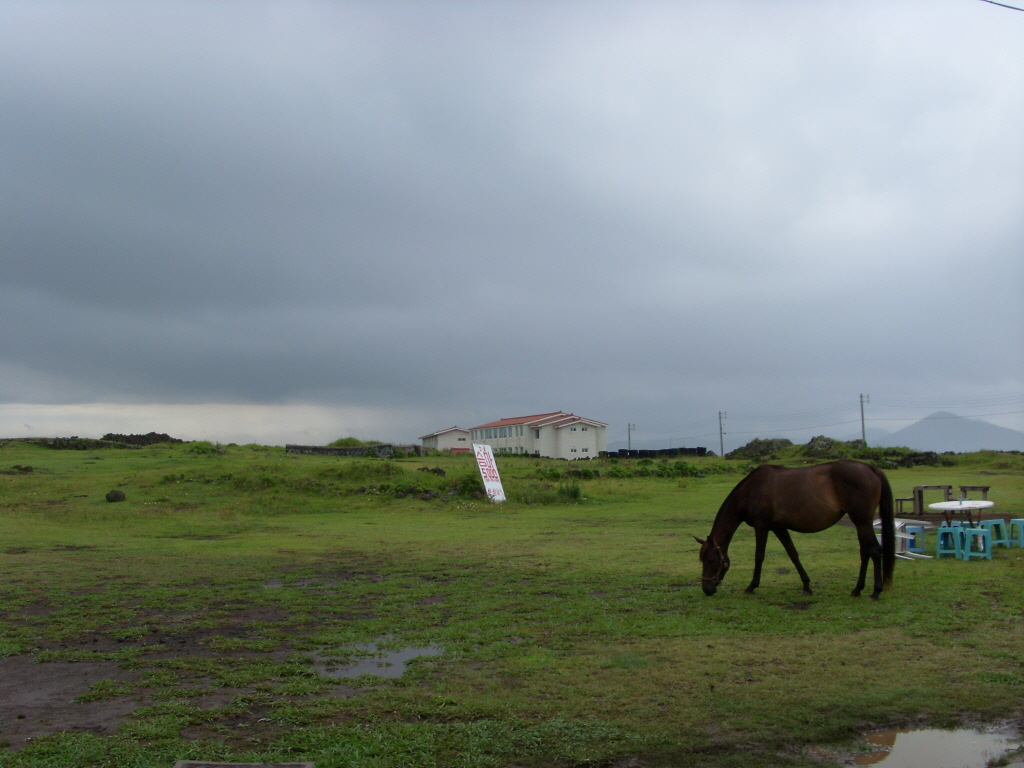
(742, 484)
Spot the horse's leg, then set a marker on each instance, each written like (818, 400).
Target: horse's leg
(876, 556)
(870, 549)
(761, 540)
(787, 542)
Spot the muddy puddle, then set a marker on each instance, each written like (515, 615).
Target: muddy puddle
(390, 664)
(964, 748)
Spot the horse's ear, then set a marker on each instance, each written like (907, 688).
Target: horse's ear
(699, 541)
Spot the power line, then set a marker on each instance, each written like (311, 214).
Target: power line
(814, 413)
(1003, 5)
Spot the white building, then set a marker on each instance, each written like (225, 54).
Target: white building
(555, 435)
(455, 439)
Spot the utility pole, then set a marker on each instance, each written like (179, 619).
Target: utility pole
(863, 432)
(629, 436)
(721, 439)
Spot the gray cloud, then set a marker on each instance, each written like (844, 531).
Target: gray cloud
(634, 211)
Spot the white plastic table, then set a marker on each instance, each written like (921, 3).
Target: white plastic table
(967, 506)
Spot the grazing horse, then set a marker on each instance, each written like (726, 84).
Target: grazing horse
(807, 499)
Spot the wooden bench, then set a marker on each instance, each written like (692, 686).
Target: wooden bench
(899, 503)
(983, 488)
(947, 492)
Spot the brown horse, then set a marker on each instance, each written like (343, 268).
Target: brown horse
(807, 499)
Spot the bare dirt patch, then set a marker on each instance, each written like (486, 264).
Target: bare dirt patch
(39, 699)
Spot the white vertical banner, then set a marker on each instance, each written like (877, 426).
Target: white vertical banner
(489, 472)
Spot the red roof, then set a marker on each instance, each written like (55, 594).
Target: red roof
(557, 419)
(443, 431)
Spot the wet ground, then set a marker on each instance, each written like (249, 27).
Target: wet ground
(39, 699)
(932, 748)
(389, 664)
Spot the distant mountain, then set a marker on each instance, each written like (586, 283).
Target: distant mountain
(944, 431)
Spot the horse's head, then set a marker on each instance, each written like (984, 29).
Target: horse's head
(716, 564)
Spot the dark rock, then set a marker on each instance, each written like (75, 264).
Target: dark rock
(152, 438)
(116, 496)
(759, 449)
(821, 447)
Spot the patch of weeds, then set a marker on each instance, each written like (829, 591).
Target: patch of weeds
(225, 644)
(131, 633)
(159, 678)
(106, 689)
(303, 686)
(570, 491)
(1003, 678)
(73, 654)
(9, 647)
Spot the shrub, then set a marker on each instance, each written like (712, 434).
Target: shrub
(352, 442)
(467, 484)
(569, 491)
(893, 458)
(682, 469)
(549, 473)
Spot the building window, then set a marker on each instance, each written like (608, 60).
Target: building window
(583, 429)
(572, 429)
(462, 439)
(536, 434)
(586, 450)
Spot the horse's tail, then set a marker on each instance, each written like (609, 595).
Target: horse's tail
(885, 513)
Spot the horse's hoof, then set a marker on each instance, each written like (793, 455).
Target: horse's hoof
(808, 591)
(750, 590)
(874, 597)
(855, 593)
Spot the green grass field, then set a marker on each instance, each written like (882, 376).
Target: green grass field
(572, 621)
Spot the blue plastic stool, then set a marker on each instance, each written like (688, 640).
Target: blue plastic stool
(997, 528)
(950, 542)
(1018, 523)
(915, 545)
(972, 535)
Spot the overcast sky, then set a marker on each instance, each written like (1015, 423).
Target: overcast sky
(298, 221)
